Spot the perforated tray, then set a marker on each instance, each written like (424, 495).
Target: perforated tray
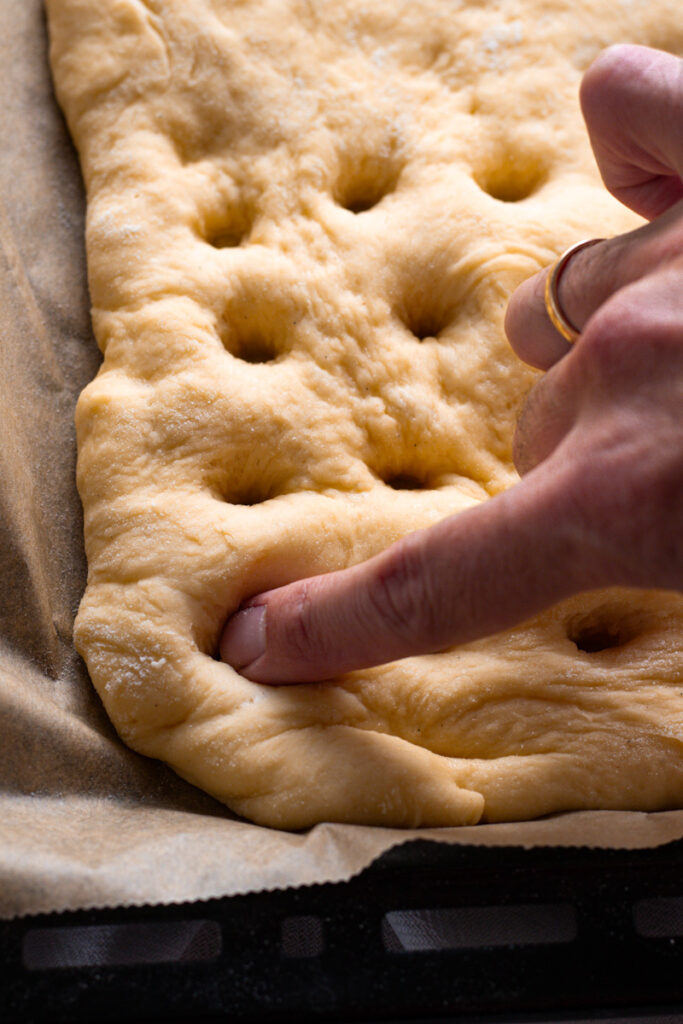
(428, 933)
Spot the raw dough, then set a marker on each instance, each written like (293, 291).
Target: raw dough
(304, 221)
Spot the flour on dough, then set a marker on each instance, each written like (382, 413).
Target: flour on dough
(304, 222)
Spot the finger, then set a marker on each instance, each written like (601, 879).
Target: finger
(630, 347)
(528, 327)
(470, 575)
(591, 277)
(632, 101)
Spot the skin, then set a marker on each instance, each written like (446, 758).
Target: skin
(599, 445)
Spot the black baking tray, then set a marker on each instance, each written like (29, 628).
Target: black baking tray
(428, 933)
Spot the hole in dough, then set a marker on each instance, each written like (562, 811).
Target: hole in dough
(363, 182)
(600, 630)
(432, 295)
(425, 321)
(246, 495)
(259, 322)
(405, 482)
(512, 177)
(226, 238)
(255, 348)
(427, 307)
(362, 198)
(229, 226)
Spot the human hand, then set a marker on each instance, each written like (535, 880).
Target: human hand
(599, 443)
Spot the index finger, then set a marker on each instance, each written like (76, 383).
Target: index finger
(468, 576)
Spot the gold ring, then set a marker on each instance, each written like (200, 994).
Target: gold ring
(558, 318)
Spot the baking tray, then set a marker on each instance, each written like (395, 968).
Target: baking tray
(428, 933)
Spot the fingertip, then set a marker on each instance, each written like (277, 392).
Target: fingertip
(243, 640)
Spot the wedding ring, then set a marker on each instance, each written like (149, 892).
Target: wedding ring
(558, 317)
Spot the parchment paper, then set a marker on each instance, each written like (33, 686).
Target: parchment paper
(83, 821)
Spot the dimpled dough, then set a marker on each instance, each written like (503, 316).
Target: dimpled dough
(304, 221)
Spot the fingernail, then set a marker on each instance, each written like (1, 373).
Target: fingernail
(244, 637)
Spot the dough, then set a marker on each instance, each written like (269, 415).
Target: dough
(304, 222)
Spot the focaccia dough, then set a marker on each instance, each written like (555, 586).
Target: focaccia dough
(304, 221)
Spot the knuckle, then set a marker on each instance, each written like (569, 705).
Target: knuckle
(401, 600)
(601, 341)
(300, 634)
(636, 330)
(629, 493)
(661, 241)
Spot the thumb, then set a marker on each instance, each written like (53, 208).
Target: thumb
(632, 101)
(470, 575)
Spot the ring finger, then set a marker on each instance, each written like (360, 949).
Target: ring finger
(589, 278)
